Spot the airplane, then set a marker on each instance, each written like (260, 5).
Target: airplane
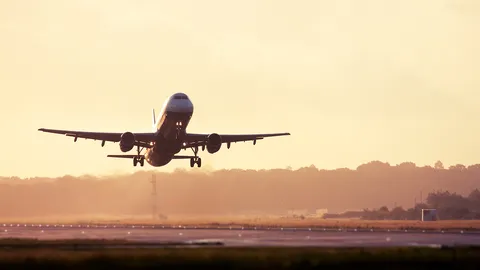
(169, 136)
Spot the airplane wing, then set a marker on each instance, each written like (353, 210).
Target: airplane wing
(193, 139)
(141, 139)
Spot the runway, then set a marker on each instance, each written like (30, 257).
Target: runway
(242, 237)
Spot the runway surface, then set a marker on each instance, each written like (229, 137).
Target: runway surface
(245, 236)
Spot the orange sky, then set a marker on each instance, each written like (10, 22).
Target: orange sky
(353, 81)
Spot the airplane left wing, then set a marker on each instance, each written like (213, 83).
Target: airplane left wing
(193, 140)
(141, 139)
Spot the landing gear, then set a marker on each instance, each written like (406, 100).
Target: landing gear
(139, 158)
(196, 159)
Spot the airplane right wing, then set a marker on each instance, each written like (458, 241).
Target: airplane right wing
(193, 140)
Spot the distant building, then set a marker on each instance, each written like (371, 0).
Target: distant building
(307, 212)
(429, 215)
(298, 212)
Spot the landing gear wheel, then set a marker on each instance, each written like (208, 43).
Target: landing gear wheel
(137, 160)
(195, 160)
(192, 162)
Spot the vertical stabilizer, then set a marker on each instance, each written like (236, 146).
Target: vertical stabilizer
(154, 120)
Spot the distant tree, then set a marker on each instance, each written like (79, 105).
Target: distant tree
(383, 209)
(374, 166)
(420, 206)
(398, 213)
(407, 165)
(474, 195)
(458, 167)
(453, 212)
(413, 214)
(450, 205)
(439, 165)
(309, 169)
(475, 167)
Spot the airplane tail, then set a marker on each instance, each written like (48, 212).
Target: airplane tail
(154, 120)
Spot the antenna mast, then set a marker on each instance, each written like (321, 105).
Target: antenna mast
(154, 196)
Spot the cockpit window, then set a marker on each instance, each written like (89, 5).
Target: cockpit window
(180, 97)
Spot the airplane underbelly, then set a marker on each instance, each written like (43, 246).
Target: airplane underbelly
(170, 132)
(157, 158)
(167, 146)
(174, 123)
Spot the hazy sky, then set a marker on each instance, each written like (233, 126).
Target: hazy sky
(353, 81)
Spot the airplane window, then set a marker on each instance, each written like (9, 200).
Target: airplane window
(180, 97)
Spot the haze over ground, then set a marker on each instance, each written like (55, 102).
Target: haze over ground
(233, 192)
(353, 81)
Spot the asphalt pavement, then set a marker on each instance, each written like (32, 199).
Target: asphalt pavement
(295, 237)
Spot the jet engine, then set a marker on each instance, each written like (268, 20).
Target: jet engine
(214, 142)
(127, 141)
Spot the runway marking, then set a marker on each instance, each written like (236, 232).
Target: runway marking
(242, 228)
(251, 237)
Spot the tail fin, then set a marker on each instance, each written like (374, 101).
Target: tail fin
(154, 120)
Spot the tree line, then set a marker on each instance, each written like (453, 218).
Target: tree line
(224, 192)
(448, 205)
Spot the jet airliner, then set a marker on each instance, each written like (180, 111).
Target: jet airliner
(168, 138)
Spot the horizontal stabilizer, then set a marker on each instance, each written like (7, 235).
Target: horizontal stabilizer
(134, 156)
(183, 157)
(123, 156)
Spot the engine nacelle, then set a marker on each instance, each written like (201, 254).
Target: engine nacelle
(127, 141)
(214, 143)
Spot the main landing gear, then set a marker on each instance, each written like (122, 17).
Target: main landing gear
(196, 159)
(139, 158)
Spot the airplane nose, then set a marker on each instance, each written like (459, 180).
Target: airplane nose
(181, 106)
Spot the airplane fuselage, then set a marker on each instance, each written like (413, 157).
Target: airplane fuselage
(170, 130)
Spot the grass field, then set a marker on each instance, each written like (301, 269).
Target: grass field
(244, 258)
(272, 222)
(342, 223)
(92, 244)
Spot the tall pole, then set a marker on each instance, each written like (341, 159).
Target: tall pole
(154, 196)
